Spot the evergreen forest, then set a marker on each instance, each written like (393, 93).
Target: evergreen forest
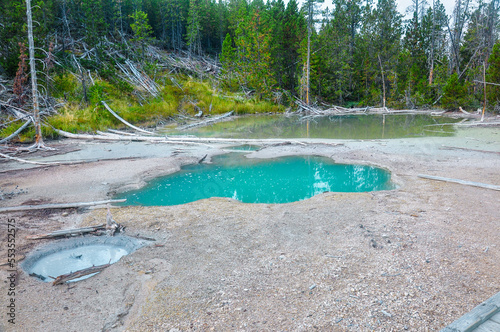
(153, 59)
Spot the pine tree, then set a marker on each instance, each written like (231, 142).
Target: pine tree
(277, 15)
(141, 29)
(338, 43)
(193, 36)
(227, 56)
(387, 41)
(12, 32)
(434, 36)
(416, 80)
(92, 20)
(175, 18)
(493, 76)
(253, 44)
(294, 31)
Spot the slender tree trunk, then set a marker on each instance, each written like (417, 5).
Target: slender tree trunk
(433, 37)
(459, 16)
(383, 80)
(484, 87)
(34, 89)
(308, 65)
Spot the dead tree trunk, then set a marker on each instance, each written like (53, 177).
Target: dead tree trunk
(383, 81)
(459, 17)
(34, 89)
(78, 274)
(433, 38)
(484, 90)
(308, 65)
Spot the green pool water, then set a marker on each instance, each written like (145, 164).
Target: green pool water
(279, 180)
(367, 126)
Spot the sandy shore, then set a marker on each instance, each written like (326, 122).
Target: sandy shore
(414, 258)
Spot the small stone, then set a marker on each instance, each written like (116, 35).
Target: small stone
(312, 287)
(386, 313)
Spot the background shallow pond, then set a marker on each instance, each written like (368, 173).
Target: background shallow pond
(371, 126)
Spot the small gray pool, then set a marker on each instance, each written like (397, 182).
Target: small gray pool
(71, 255)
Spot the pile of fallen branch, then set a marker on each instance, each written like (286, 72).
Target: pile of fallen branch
(207, 122)
(310, 111)
(182, 62)
(11, 111)
(137, 78)
(314, 110)
(110, 228)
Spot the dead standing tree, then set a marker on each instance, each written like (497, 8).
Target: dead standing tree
(459, 17)
(311, 11)
(34, 89)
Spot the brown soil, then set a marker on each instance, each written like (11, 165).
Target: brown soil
(414, 258)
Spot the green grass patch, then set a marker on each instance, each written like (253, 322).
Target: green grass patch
(186, 96)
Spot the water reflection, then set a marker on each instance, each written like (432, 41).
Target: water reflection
(280, 180)
(342, 127)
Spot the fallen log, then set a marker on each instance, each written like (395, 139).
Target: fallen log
(80, 273)
(107, 134)
(482, 82)
(67, 232)
(202, 159)
(463, 182)
(110, 137)
(14, 134)
(119, 132)
(58, 206)
(478, 123)
(181, 139)
(207, 122)
(26, 161)
(466, 149)
(123, 120)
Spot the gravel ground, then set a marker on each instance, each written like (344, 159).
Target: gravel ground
(414, 258)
